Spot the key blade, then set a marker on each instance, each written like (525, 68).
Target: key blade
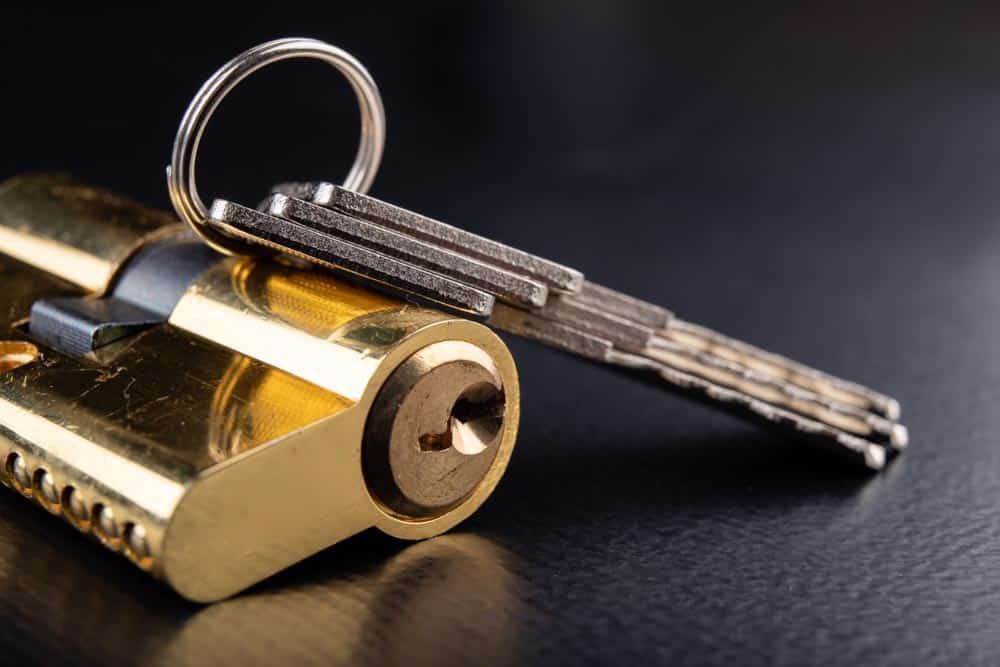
(624, 306)
(603, 325)
(743, 391)
(548, 332)
(703, 338)
(860, 450)
(549, 273)
(757, 385)
(590, 318)
(511, 287)
(301, 241)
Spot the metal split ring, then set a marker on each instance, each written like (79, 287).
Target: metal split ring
(181, 172)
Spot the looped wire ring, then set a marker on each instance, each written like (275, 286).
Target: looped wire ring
(181, 172)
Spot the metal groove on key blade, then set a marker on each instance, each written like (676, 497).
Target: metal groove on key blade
(550, 273)
(622, 305)
(503, 284)
(720, 371)
(289, 236)
(621, 332)
(871, 454)
(740, 390)
(555, 334)
(844, 391)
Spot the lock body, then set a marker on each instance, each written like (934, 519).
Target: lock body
(265, 413)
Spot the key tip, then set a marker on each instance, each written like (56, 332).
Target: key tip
(875, 457)
(276, 204)
(899, 436)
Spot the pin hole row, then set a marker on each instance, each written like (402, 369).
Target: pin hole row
(68, 502)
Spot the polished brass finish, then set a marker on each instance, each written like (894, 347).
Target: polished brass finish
(22, 286)
(296, 320)
(74, 231)
(227, 444)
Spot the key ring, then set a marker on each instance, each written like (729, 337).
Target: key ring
(181, 172)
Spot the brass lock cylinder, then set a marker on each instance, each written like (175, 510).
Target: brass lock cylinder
(275, 412)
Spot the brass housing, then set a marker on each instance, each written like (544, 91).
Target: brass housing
(223, 446)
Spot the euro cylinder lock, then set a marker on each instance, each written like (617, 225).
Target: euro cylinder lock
(219, 419)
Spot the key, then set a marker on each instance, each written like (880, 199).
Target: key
(361, 206)
(864, 436)
(424, 259)
(601, 324)
(512, 287)
(328, 250)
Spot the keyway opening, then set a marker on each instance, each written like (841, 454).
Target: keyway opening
(476, 419)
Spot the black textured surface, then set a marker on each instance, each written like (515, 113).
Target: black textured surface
(823, 184)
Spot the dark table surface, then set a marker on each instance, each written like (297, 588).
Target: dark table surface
(821, 184)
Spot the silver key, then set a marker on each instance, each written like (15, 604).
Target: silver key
(514, 288)
(839, 415)
(328, 250)
(589, 320)
(417, 226)
(421, 258)
(429, 260)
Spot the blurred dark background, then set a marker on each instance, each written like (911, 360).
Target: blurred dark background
(820, 181)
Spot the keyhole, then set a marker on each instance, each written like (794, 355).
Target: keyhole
(476, 419)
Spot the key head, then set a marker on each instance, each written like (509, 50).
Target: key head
(376, 269)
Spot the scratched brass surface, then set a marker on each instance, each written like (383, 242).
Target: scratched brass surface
(166, 431)
(74, 231)
(348, 342)
(224, 446)
(21, 286)
(136, 434)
